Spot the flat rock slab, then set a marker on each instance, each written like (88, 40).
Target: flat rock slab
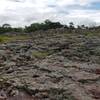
(79, 75)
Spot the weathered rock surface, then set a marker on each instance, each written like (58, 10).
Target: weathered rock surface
(51, 67)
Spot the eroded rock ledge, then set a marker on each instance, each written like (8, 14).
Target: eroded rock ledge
(54, 67)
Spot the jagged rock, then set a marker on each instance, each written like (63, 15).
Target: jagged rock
(71, 64)
(3, 95)
(10, 70)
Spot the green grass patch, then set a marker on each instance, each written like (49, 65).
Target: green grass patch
(6, 38)
(38, 54)
(92, 34)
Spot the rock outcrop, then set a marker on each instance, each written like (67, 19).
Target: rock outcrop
(51, 67)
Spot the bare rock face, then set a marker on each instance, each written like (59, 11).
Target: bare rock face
(51, 67)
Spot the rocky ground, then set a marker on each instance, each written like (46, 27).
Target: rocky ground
(51, 67)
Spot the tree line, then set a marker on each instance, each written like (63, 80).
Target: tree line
(47, 24)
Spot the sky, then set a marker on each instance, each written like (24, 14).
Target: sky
(24, 12)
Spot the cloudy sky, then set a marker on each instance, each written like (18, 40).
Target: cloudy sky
(25, 12)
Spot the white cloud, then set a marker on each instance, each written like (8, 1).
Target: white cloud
(24, 12)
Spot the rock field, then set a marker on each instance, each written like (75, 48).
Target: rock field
(51, 67)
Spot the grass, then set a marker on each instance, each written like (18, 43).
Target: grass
(6, 38)
(91, 34)
(38, 54)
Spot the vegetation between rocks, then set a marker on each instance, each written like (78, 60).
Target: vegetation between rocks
(6, 38)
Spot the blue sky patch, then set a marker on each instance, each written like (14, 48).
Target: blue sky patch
(95, 6)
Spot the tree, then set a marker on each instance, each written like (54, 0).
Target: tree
(47, 21)
(83, 27)
(6, 25)
(71, 26)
